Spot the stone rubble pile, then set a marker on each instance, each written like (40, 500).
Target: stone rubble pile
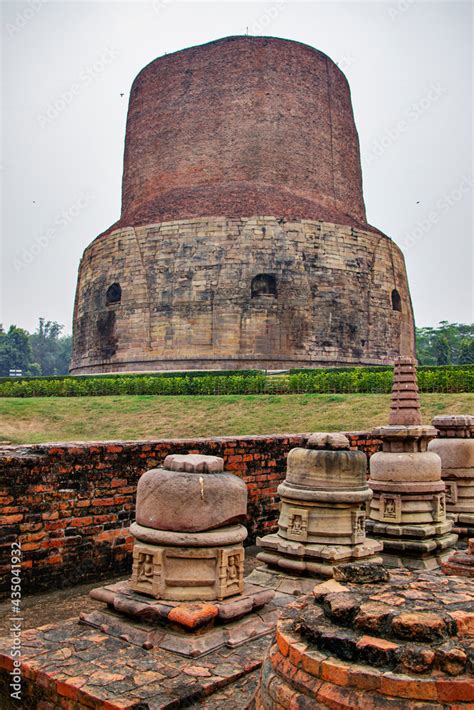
(398, 644)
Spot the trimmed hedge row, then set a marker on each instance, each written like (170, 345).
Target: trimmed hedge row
(98, 386)
(449, 379)
(356, 380)
(131, 375)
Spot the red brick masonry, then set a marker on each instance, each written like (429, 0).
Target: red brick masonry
(70, 505)
(242, 126)
(401, 645)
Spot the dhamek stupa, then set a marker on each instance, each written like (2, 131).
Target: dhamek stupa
(243, 240)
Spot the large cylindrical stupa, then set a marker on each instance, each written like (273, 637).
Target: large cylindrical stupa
(243, 240)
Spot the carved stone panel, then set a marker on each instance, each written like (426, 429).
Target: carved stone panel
(297, 524)
(439, 507)
(358, 526)
(391, 508)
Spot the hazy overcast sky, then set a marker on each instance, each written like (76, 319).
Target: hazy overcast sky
(65, 66)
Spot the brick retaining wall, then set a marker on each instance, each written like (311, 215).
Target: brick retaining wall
(70, 505)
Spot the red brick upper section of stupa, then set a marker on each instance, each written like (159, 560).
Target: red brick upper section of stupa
(239, 127)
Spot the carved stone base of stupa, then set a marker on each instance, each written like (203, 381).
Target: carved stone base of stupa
(414, 546)
(187, 628)
(311, 559)
(202, 566)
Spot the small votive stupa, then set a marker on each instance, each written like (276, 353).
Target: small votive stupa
(408, 509)
(189, 536)
(455, 447)
(322, 516)
(187, 592)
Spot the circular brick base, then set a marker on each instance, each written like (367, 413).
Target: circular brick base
(405, 644)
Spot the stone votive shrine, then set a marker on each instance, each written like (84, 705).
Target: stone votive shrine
(408, 509)
(322, 515)
(187, 592)
(461, 563)
(455, 447)
(189, 536)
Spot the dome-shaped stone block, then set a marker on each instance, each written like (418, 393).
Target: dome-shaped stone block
(190, 502)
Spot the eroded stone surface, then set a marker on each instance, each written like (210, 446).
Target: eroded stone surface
(321, 521)
(361, 573)
(455, 447)
(190, 502)
(194, 463)
(323, 440)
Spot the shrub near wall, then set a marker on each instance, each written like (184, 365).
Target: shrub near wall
(458, 378)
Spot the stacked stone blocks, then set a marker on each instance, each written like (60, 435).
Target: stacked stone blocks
(408, 509)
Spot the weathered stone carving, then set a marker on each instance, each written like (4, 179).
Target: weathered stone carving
(455, 447)
(321, 523)
(188, 545)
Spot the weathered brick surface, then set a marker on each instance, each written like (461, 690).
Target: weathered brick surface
(75, 501)
(73, 667)
(414, 657)
(241, 158)
(242, 126)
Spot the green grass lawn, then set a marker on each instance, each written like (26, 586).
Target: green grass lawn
(42, 419)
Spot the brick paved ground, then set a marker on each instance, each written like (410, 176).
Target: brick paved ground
(72, 666)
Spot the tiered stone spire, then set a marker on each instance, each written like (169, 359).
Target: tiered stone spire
(408, 510)
(405, 402)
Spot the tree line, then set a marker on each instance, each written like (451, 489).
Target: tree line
(448, 344)
(48, 352)
(45, 352)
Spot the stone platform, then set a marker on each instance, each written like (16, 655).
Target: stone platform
(72, 666)
(315, 560)
(190, 629)
(75, 667)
